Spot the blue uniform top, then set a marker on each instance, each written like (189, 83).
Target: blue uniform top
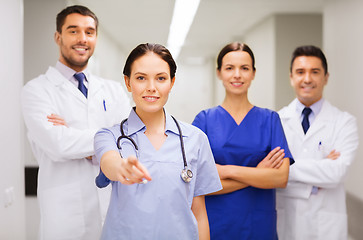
(160, 209)
(248, 213)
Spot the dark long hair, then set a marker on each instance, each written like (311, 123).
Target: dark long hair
(143, 49)
(235, 46)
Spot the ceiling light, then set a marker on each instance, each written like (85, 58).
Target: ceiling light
(183, 15)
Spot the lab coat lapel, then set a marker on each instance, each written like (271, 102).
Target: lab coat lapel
(60, 81)
(320, 121)
(292, 120)
(94, 85)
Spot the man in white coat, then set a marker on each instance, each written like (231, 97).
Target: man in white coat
(323, 141)
(63, 109)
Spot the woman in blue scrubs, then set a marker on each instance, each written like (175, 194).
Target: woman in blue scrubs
(165, 207)
(250, 151)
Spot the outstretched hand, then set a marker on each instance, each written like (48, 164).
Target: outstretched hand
(273, 160)
(132, 171)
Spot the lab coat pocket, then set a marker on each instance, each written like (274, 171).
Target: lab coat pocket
(62, 212)
(334, 224)
(324, 148)
(111, 112)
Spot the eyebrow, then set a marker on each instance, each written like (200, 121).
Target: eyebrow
(75, 26)
(243, 65)
(140, 73)
(71, 26)
(161, 73)
(315, 69)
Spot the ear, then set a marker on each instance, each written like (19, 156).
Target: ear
(254, 74)
(326, 79)
(172, 83)
(291, 80)
(57, 37)
(127, 83)
(218, 72)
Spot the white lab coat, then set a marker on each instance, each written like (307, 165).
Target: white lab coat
(301, 214)
(71, 206)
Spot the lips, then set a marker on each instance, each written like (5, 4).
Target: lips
(81, 49)
(307, 88)
(150, 98)
(237, 84)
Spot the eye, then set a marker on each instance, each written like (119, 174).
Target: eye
(90, 33)
(140, 78)
(228, 68)
(245, 68)
(161, 78)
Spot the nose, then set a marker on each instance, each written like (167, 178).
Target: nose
(237, 73)
(151, 86)
(82, 37)
(307, 78)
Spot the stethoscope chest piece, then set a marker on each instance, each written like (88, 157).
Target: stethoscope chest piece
(186, 175)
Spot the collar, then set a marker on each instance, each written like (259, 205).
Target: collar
(68, 72)
(134, 124)
(315, 108)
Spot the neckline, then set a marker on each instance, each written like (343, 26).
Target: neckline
(238, 124)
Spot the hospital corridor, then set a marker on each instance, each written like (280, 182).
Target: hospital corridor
(273, 29)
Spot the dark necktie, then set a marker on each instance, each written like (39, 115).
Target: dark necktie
(80, 78)
(305, 122)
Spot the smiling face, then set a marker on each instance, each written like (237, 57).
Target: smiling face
(236, 72)
(308, 79)
(150, 83)
(76, 41)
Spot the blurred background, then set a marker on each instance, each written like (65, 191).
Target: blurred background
(272, 28)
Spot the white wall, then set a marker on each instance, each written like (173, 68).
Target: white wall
(40, 50)
(343, 38)
(261, 39)
(108, 59)
(192, 91)
(12, 214)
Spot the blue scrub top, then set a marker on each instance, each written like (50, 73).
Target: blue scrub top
(248, 213)
(160, 209)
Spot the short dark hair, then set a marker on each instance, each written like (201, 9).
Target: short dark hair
(143, 49)
(235, 46)
(61, 17)
(309, 51)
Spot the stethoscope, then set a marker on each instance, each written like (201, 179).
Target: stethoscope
(186, 174)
